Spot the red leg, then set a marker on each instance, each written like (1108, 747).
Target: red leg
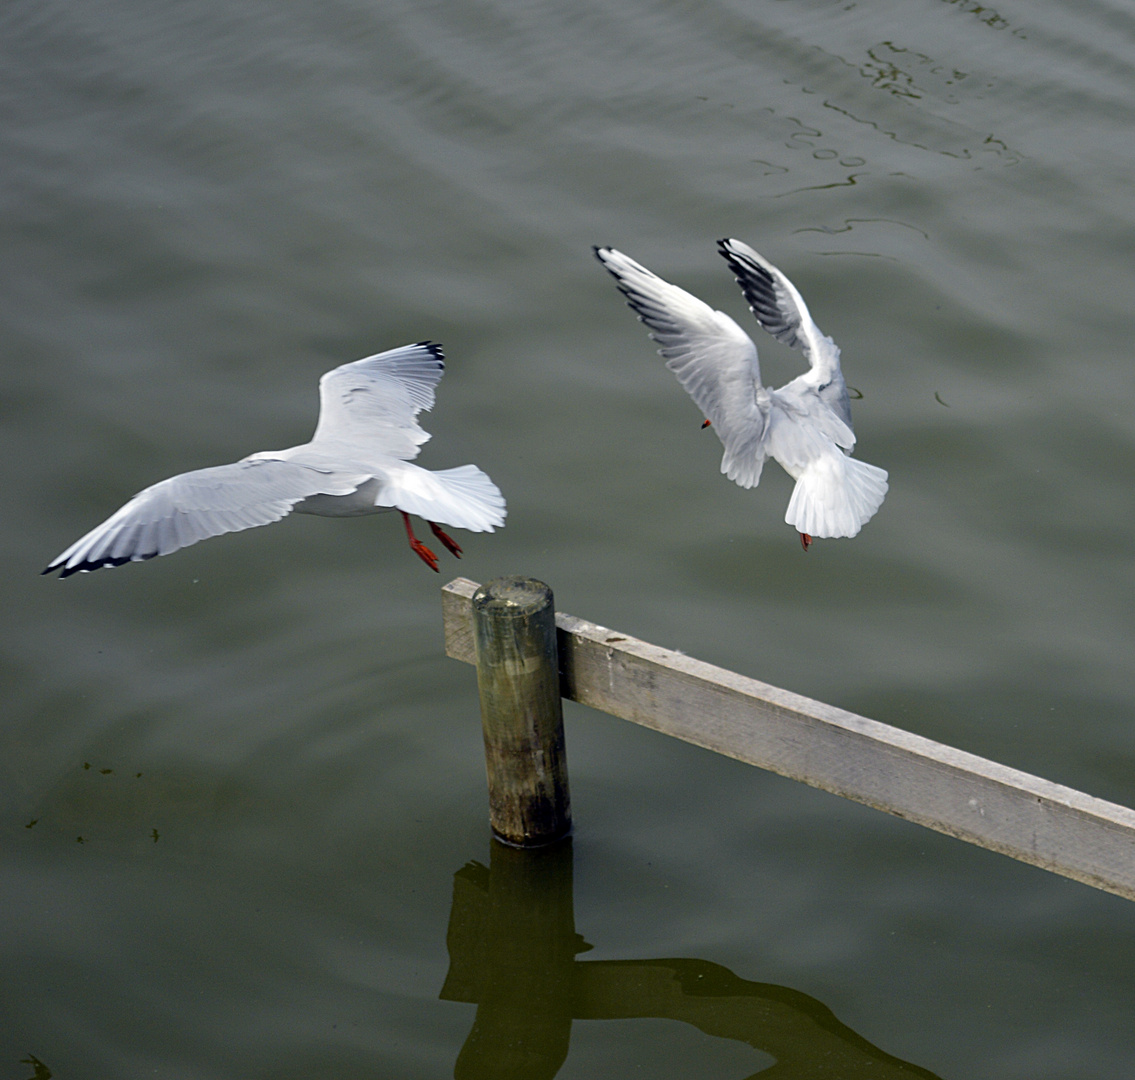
(446, 539)
(705, 424)
(805, 541)
(417, 547)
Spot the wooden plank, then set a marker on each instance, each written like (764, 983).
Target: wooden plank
(954, 792)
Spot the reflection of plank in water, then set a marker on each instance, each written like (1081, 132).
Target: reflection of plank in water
(512, 948)
(802, 1033)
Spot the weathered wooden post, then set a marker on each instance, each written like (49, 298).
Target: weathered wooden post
(514, 631)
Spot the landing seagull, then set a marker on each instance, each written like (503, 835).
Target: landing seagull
(805, 425)
(357, 462)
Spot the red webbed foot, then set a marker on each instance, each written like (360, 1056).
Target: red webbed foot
(805, 541)
(417, 547)
(424, 553)
(446, 539)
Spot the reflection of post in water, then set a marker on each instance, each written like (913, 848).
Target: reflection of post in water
(512, 948)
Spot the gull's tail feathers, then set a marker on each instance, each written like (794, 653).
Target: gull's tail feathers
(463, 497)
(836, 496)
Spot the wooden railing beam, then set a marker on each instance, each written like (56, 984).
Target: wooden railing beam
(948, 790)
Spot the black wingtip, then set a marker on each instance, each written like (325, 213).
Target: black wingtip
(743, 266)
(86, 566)
(723, 246)
(729, 254)
(434, 349)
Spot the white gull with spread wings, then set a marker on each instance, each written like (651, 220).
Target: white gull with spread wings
(357, 462)
(805, 425)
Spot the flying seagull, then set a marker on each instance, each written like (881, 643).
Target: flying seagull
(805, 425)
(357, 462)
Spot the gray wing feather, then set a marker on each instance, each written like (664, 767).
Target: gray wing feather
(180, 511)
(780, 309)
(712, 357)
(372, 404)
(772, 298)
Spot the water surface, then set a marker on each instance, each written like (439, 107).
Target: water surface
(239, 781)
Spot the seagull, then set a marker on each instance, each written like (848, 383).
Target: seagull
(805, 425)
(357, 462)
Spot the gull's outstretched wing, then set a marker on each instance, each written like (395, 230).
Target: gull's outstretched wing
(371, 406)
(780, 309)
(713, 358)
(180, 511)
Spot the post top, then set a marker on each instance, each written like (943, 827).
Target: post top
(512, 597)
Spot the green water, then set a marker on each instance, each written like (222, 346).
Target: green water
(241, 784)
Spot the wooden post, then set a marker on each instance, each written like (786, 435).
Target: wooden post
(514, 630)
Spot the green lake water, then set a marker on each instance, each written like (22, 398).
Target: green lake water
(243, 817)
